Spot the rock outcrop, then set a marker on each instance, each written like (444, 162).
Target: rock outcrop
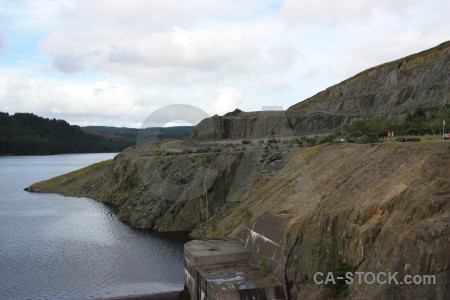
(391, 90)
(243, 125)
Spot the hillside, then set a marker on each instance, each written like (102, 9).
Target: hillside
(28, 134)
(133, 134)
(391, 90)
(377, 207)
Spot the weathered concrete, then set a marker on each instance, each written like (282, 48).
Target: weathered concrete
(211, 252)
(220, 269)
(265, 239)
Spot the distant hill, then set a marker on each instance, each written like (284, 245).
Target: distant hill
(141, 135)
(28, 134)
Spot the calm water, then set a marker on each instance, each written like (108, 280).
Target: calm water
(56, 247)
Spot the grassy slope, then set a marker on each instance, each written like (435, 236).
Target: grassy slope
(71, 184)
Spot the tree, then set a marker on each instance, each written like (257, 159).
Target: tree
(377, 125)
(435, 123)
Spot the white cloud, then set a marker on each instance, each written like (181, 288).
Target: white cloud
(169, 42)
(31, 16)
(101, 102)
(369, 53)
(114, 62)
(177, 56)
(274, 85)
(151, 16)
(228, 99)
(339, 10)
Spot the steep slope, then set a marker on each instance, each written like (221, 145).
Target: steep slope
(243, 125)
(370, 208)
(391, 90)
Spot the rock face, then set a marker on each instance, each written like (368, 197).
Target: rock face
(358, 207)
(168, 191)
(363, 208)
(391, 90)
(243, 125)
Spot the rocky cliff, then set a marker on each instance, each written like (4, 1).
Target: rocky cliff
(367, 208)
(168, 190)
(243, 125)
(391, 90)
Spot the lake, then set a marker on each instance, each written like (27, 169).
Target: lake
(57, 247)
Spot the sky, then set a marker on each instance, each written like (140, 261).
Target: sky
(114, 63)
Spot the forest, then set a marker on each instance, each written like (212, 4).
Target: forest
(28, 134)
(416, 123)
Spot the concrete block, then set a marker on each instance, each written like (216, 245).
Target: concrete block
(211, 252)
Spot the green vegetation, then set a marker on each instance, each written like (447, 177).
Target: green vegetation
(282, 212)
(199, 233)
(28, 134)
(152, 133)
(328, 139)
(416, 123)
(208, 231)
(328, 260)
(264, 270)
(247, 213)
(272, 143)
(213, 224)
(56, 183)
(308, 141)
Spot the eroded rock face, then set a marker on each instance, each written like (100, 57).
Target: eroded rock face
(377, 212)
(391, 90)
(242, 125)
(169, 193)
(176, 192)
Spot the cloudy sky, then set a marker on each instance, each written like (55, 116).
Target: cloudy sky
(105, 62)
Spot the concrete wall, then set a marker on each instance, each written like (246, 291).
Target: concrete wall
(228, 269)
(265, 239)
